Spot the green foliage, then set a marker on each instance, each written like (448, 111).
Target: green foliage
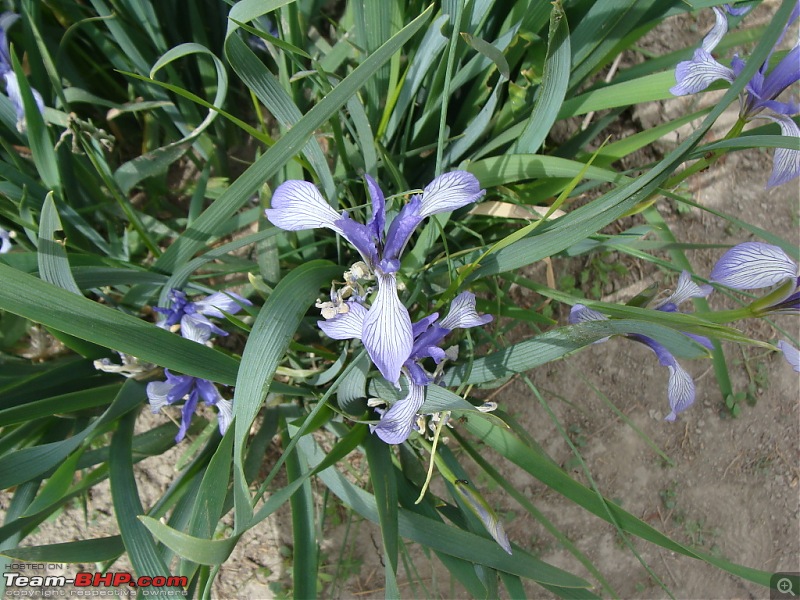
(168, 125)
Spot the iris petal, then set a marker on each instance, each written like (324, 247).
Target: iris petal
(463, 314)
(208, 391)
(347, 326)
(198, 328)
(396, 423)
(680, 388)
(753, 265)
(680, 391)
(717, 32)
(695, 75)
(785, 162)
(215, 304)
(387, 330)
(224, 414)
(783, 75)
(450, 191)
(791, 354)
(5, 241)
(360, 236)
(403, 225)
(378, 219)
(687, 289)
(581, 314)
(298, 205)
(157, 392)
(187, 412)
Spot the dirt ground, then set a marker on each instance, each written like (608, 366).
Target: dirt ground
(733, 489)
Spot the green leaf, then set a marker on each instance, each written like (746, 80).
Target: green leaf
(82, 551)
(51, 255)
(39, 459)
(305, 563)
(199, 550)
(57, 486)
(384, 486)
(158, 161)
(268, 90)
(439, 536)
(490, 52)
(44, 156)
(512, 168)
(49, 305)
(239, 193)
(555, 80)
(272, 331)
(556, 343)
(127, 506)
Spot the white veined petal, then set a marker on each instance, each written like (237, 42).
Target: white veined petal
(582, 314)
(216, 303)
(225, 415)
(753, 265)
(5, 241)
(299, 205)
(193, 329)
(695, 75)
(791, 354)
(396, 423)
(386, 333)
(680, 391)
(687, 289)
(785, 161)
(717, 32)
(347, 326)
(157, 392)
(450, 191)
(463, 314)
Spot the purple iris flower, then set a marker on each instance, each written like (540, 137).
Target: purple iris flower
(193, 316)
(791, 354)
(387, 332)
(5, 241)
(680, 389)
(756, 265)
(7, 19)
(177, 387)
(397, 422)
(760, 94)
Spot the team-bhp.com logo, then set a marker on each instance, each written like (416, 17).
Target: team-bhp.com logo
(83, 579)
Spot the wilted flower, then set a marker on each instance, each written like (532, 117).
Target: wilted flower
(177, 387)
(193, 316)
(680, 389)
(397, 422)
(760, 94)
(386, 333)
(6, 70)
(756, 265)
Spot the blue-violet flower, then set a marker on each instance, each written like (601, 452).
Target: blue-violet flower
(193, 389)
(761, 92)
(7, 19)
(397, 422)
(5, 241)
(386, 331)
(756, 265)
(193, 316)
(680, 389)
